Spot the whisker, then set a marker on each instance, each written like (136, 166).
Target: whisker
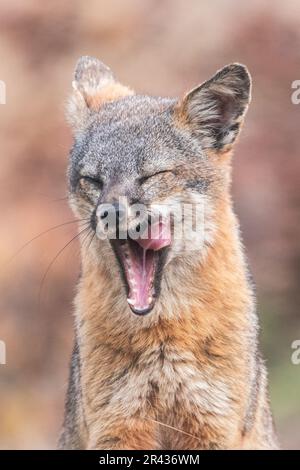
(89, 234)
(41, 234)
(173, 428)
(60, 199)
(91, 240)
(53, 261)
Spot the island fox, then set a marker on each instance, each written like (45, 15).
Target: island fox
(166, 352)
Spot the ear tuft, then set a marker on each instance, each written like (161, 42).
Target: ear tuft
(214, 111)
(93, 85)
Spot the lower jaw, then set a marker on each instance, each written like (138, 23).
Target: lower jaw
(142, 312)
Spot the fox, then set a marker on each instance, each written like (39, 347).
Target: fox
(166, 352)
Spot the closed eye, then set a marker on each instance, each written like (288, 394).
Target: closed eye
(95, 181)
(143, 179)
(90, 188)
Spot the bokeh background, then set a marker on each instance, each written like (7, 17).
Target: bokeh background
(160, 48)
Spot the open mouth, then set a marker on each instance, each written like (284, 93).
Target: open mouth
(142, 261)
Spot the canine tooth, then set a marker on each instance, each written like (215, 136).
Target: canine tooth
(150, 299)
(130, 301)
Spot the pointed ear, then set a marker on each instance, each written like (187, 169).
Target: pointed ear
(214, 111)
(93, 85)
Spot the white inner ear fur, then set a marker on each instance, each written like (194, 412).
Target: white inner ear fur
(215, 109)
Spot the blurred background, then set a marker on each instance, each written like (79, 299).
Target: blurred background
(160, 48)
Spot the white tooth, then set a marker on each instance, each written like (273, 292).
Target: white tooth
(130, 301)
(150, 299)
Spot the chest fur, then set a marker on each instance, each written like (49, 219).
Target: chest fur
(162, 379)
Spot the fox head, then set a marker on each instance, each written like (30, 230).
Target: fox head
(142, 165)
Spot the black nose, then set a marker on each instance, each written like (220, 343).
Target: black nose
(115, 211)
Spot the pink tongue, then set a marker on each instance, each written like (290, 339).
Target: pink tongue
(158, 236)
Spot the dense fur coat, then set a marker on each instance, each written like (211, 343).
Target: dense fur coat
(188, 375)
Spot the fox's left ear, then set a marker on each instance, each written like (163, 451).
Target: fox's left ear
(214, 111)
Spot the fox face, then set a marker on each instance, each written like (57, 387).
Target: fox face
(147, 173)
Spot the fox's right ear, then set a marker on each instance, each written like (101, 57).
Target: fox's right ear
(93, 85)
(214, 111)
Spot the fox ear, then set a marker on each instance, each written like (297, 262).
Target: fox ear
(214, 111)
(93, 85)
